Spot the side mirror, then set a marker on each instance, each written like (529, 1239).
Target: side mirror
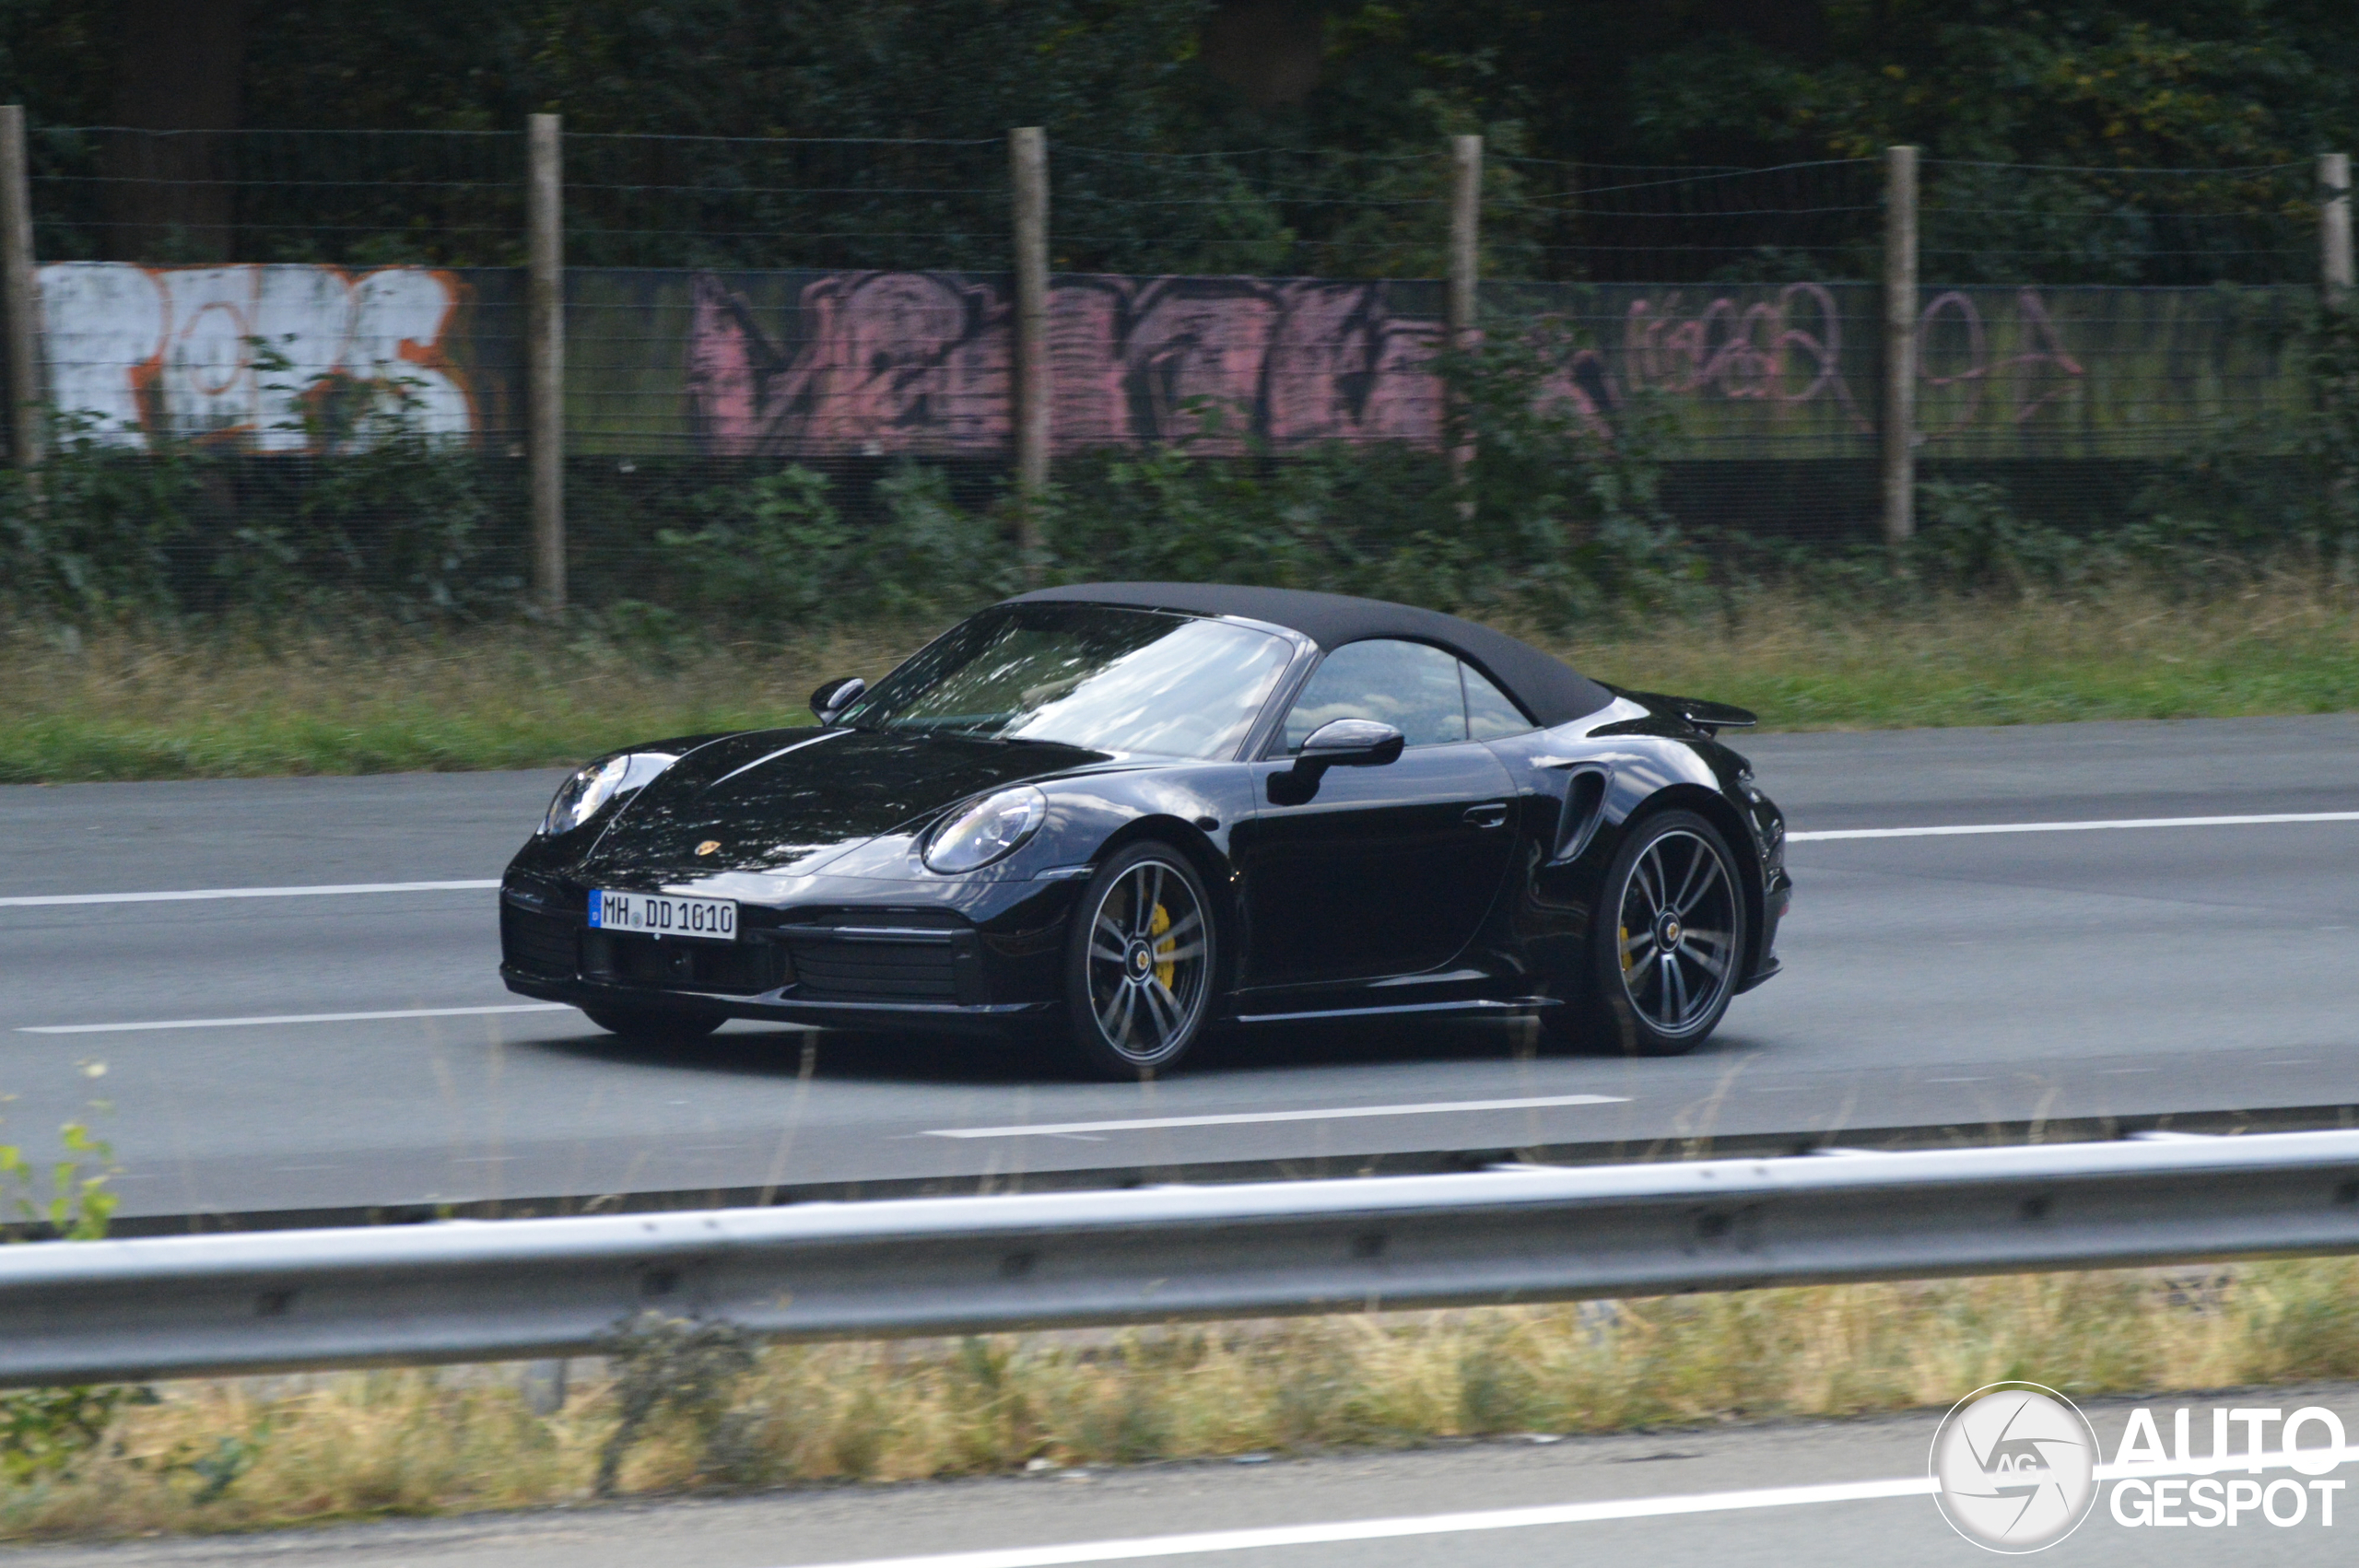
(1350, 743)
(836, 695)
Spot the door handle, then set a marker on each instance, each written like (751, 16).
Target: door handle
(1492, 813)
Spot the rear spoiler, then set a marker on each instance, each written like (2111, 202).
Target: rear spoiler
(1709, 717)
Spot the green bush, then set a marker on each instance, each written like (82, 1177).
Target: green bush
(1538, 504)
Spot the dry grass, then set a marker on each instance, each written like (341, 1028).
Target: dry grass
(1803, 662)
(123, 705)
(419, 1442)
(117, 705)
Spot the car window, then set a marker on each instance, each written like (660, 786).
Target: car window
(1105, 679)
(1409, 685)
(1490, 714)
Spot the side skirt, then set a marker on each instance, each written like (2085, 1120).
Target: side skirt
(1518, 1006)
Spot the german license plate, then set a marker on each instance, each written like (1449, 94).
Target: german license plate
(660, 914)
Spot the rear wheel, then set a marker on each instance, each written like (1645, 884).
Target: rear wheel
(646, 1026)
(1140, 963)
(1670, 933)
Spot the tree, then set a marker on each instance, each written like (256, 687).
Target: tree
(179, 84)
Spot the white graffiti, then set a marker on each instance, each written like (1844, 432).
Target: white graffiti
(242, 353)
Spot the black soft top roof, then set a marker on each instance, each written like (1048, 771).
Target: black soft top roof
(1549, 689)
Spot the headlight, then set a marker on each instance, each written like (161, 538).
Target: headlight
(583, 796)
(987, 830)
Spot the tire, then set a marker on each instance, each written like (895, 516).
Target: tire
(1140, 963)
(653, 1028)
(1670, 934)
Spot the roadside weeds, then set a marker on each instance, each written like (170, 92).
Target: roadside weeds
(258, 1453)
(226, 703)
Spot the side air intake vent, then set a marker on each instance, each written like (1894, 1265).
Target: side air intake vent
(1584, 809)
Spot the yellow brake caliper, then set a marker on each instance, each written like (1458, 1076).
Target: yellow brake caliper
(1624, 933)
(1155, 928)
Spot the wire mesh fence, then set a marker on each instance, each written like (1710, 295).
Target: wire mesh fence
(1992, 223)
(347, 198)
(1264, 211)
(747, 203)
(1614, 224)
(304, 354)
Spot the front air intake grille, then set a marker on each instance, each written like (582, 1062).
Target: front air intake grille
(730, 969)
(862, 966)
(538, 944)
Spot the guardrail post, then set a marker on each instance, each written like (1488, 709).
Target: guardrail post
(19, 294)
(1027, 163)
(1898, 425)
(2334, 225)
(545, 357)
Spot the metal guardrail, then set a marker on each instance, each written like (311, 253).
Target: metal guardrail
(1450, 1159)
(498, 1290)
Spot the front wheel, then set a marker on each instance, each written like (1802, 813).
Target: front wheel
(1139, 966)
(646, 1026)
(1669, 938)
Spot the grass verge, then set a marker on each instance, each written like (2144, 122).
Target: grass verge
(123, 705)
(236, 1456)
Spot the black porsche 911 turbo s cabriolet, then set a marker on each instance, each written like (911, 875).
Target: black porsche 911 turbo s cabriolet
(1116, 814)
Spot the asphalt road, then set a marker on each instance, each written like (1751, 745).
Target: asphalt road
(1439, 1493)
(1963, 980)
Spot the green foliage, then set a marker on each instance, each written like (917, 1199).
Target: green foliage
(2092, 85)
(45, 1431)
(1543, 503)
(776, 551)
(386, 514)
(687, 1371)
(1554, 514)
(214, 1470)
(1561, 504)
(76, 1205)
(1969, 539)
(2262, 491)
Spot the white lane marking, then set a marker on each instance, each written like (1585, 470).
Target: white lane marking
(337, 889)
(1826, 833)
(290, 1018)
(1525, 1519)
(326, 890)
(323, 890)
(1143, 1124)
(1393, 1529)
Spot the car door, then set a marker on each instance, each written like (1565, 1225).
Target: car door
(1384, 870)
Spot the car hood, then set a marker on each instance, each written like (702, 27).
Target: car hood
(789, 801)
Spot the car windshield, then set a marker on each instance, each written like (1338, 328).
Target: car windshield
(1109, 679)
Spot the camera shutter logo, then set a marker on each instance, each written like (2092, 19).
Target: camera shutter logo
(2014, 1468)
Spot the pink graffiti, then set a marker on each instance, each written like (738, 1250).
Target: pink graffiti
(2043, 364)
(918, 364)
(1747, 352)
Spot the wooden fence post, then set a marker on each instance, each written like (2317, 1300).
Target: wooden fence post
(19, 294)
(2334, 225)
(1898, 425)
(545, 357)
(1027, 162)
(1462, 305)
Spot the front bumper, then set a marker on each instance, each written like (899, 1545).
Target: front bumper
(1777, 898)
(847, 954)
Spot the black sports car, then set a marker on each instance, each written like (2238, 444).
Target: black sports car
(1117, 815)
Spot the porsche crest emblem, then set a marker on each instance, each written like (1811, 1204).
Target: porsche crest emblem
(709, 846)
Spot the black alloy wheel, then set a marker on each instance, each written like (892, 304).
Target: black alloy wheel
(646, 1026)
(1664, 965)
(1140, 963)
